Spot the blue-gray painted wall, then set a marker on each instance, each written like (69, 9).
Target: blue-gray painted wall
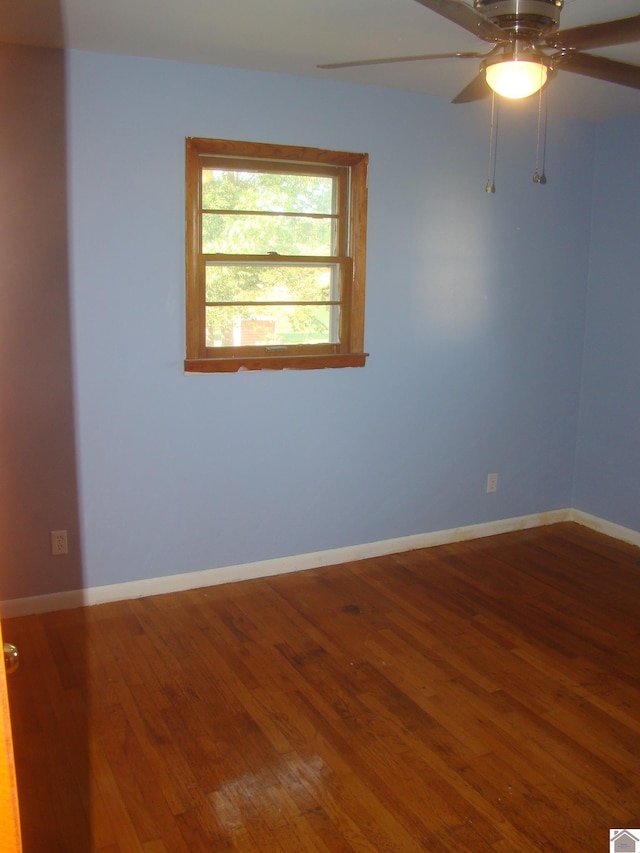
(475, 322)
(607, 481)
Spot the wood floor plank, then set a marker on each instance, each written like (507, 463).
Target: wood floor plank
(480, 695)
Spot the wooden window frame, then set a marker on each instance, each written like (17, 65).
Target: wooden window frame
(351, 171)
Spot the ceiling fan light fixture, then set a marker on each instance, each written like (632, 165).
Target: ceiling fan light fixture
(517, 78)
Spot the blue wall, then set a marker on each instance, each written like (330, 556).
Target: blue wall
(474, 322)
(607, 481)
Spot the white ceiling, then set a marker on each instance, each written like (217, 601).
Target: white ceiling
(293, 36)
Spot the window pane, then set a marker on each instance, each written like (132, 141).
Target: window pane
(231, 190)
(256, 234)
(271, 325)
(271, 283)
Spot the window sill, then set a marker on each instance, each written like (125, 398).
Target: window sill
(282, 362)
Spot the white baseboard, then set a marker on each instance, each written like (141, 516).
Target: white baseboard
(300, 562)
(616, 531)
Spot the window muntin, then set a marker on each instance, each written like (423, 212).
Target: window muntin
(272, 234)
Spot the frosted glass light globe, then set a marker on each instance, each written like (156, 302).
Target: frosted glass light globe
(516, 78)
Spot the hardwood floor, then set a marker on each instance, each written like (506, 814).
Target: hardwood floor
(479, 696)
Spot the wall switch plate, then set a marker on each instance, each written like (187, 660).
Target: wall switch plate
(492, 483)
(59, 542)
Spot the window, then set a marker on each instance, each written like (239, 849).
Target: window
(275, 256)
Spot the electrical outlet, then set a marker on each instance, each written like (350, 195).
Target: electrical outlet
(59, 543)
(492, 483)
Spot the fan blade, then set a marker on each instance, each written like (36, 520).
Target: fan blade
(392, 59)
(601, 68)
(469, 18)
(606, 34)
(475, 91)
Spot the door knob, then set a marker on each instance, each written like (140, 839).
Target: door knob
(11, 658)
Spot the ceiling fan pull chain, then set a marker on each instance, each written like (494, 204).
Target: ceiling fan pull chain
(539, 176)
(493, 146)
(543, 177)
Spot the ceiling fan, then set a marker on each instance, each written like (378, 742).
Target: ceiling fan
(528, 47)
